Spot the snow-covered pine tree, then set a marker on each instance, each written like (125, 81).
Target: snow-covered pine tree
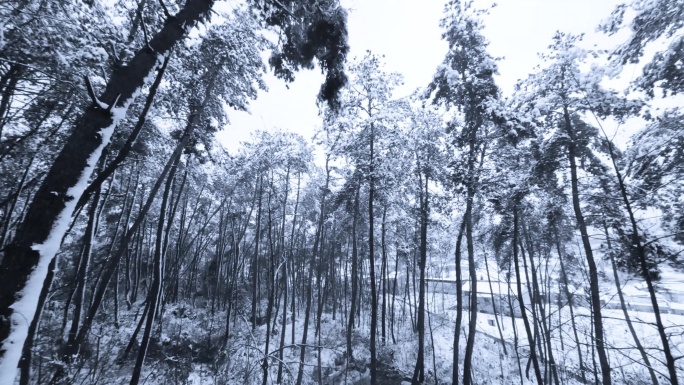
(465, 83)
(317, 34)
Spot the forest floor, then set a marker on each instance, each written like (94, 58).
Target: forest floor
(494, 362)
(190, 349)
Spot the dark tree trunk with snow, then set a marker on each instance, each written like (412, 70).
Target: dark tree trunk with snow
(354, 278)
(521, 302)
(625, 312)
(471, 187)
(643, 263)
(571, 306)
(371, 261)
(459, 303)
(593, 272)
(419, 371)
(157, 278)
(24, 266)
(536, 303)
(315, 254)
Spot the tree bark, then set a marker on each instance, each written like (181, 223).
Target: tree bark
(383, 277)
(515, 328)
(25, 362)
(112, 263)
(130, 141)
(157, 276)
(571, 305)
(255, 261)
(625, 313)
(521, 302)
(36, 242)
(8, 86)
(589, 254)
(641, 252)
(270, 288)
(314, 256)
(82, 273)
(286, 267)
(354, 279)
(394, 295)
(496, 310)
(537, 302)
(472, 308)
(371, 262)
(471, 189)
(459, 303)
(7, 220)
(419, 371)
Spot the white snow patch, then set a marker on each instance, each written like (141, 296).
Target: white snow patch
(2, 35)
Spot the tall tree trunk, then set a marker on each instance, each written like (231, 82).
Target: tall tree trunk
(407, 296)
(25, 362)
(8, 87)
(134, 337)
(24, 267)
(394, 295)
(126, 213)
(474, 168)
(521, 302)
(174, 201)
(535, 285)
(125, 150)
(494, 308)
(571, 306)
(591, 349)
(270, 288)
(37, 240)
(113, 262)
(231, 275)
(534, 295)
(155, 289)
(220, 252)
(459, 303)
(314, 256)
(641, 252)
(354, 279)
(323, 281)
(589, 254)
(383, 276)
(515, 329)
(255, 261)
(322, 294)
(625, 313)
(280, 249)
(331, 274)
(371, 262)
(7, 220)
(472, 308)
(82, 272)
(242, 231)
(305, 332)
(419, 371)
(283, 325)
(286, 267)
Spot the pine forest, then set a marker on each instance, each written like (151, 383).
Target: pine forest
(462, 231)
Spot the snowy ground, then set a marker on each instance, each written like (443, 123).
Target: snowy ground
(198, 333)
(624, 358)
(491, 364)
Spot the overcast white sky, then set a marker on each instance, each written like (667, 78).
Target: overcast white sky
(407, 32)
